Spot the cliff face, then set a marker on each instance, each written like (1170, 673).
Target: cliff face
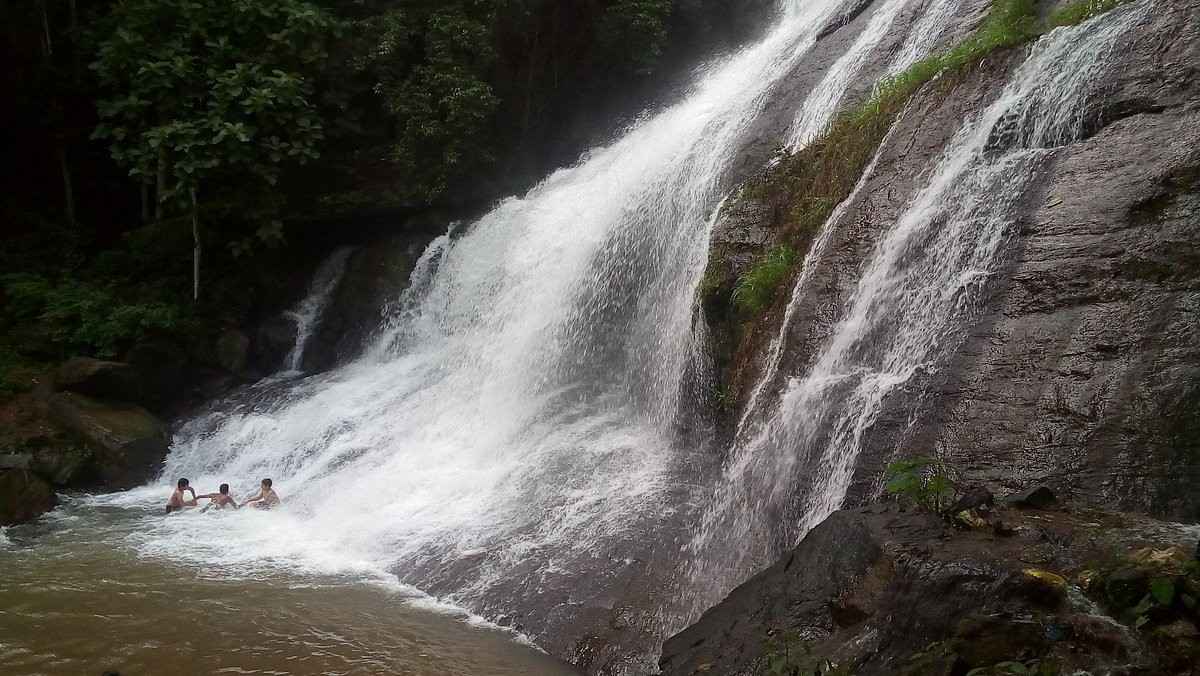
(1075, 365)
(1079, 367)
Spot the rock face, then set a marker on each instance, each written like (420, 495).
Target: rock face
(23, 495)
(1081, 368)
(127, 444)
(97, 378)
(880, 591)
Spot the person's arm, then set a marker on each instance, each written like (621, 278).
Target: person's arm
(210, 496)
(256, 498)
(234, 503)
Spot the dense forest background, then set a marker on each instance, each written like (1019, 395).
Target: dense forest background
(173, 167)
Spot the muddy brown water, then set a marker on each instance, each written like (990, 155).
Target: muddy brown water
(75, 600)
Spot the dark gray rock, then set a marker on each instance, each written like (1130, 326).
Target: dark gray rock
(1039, 497)
(878, 592)
(978, 499)
(127, 443)
(98, 378)
(272, 343)
(23, 496)
(232, 351)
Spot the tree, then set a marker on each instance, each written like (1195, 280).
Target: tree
(431, 60)
(215, 93)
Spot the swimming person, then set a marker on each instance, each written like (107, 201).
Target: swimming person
(177, 502)
(220, 499)
(266, 498)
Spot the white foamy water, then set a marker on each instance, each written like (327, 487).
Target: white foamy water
(307, 312)
(514, 423)
(917, 294)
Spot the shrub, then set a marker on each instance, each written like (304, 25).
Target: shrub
(922, 482)
(68, 316)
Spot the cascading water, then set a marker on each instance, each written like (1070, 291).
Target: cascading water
(513, 424)
(308, 311)
(818, 110)
(916, 296)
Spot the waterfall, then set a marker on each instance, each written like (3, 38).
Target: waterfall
(917, 294)
(512, 429)
(307, 312)
(822, 104)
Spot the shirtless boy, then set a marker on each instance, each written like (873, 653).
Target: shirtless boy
(266, 498)
(177, 502)
(220, 499)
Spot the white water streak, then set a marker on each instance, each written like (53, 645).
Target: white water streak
(822, 104)
(307, 312)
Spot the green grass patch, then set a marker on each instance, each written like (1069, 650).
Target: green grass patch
(756, 288)
(1080, 11)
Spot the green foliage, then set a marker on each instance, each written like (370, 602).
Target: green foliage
(430, 62)
(211, 91)
(70, 317)
(1081, 10)
(788, 655)
(922, 482)
(757, 286)
(636, 31)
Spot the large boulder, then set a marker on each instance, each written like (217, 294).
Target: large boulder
(127, 443)
(23, 496)
(273, 341)
(233, 351)
(99, 378)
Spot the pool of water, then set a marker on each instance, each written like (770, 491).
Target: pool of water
(87, 589)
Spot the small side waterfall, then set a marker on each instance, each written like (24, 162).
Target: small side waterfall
(307, 312)
(916, 296)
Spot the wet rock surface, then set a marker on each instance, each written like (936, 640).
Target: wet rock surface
(1080, 372)
(876, 590)
(23, 495)
(126, 442)
(374, 278)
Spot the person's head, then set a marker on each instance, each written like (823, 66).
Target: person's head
(182, 484)
(224, 489)
(266, 483)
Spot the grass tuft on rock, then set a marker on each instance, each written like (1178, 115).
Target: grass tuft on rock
(757, 287)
